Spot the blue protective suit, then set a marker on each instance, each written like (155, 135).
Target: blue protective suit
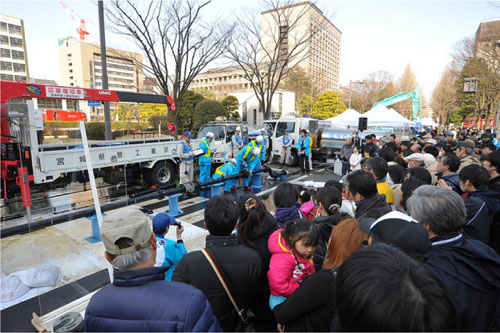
(205, 161)
(225, 170)
(252, 162)
(168, 254)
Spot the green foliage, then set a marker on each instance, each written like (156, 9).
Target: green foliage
(305, 104)
(132, 125)
(148, 110)
(329, 104)
(95, 130)
(125, 111)
(299, 82)
(186, 118)
(205, 92)
(53, 128)
(155, 121)
(230, 103)
(207, 110)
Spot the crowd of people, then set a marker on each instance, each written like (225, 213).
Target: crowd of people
(407, 240)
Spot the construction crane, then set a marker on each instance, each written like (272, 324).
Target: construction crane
(413, 93)
(81, 30)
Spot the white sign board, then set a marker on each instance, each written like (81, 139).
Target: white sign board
(59, 92)
(38, 120)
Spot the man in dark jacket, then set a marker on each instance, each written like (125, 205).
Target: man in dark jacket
(345, 155)
(140, 299)
(447, 172)
(469, 269)
(492, 165)
(240, 265)
(370, 147)
(481, 204)
(361, 188)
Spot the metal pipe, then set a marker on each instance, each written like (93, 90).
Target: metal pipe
(102, 34)
(86, 212)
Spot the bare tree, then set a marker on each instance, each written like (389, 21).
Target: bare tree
(406, 82)
(268, 50)
(375, 87)
(175, 39)
(444, 99)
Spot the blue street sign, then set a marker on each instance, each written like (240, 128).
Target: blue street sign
(94, 103)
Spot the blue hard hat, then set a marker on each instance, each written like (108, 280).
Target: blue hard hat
(161, 221)
(287, 130)
(188, 134)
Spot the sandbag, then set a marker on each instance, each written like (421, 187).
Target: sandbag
(36, 277)
(12, 287)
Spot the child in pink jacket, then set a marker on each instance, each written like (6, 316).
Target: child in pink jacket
(291, 261)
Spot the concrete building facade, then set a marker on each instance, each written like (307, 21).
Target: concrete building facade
(222, 81)
(13, 55)
(80, 66)
(283, 105)
(487, 41)
(319, 56)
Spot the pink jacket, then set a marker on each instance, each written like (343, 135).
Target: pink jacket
(284, 274)
(309, 210)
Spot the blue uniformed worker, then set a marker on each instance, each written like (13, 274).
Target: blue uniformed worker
(236, 142)
(225, 170)
(303, 150)
(286, 147)
(186, 155)
(251, 155)
(168, 252)
(205, 160)
(259, 143)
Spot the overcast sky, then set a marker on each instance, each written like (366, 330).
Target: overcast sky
(376, 35)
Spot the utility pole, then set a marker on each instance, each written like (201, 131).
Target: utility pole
(107, 118)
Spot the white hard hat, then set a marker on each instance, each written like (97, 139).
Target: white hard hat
(210, 135)
(259, 140)
(233, 160)
(238, 128)
(256, 151)
(262, 129)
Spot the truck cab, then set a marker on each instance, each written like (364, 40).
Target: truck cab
(223, 132)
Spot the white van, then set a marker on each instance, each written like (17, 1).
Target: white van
(295, 125)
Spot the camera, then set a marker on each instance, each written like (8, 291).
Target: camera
(177, 224)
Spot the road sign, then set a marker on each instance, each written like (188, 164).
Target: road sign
(306, 115)
(94, 103)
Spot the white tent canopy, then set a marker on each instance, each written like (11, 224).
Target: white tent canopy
(343, 118)
(428, 122)
(381, 116)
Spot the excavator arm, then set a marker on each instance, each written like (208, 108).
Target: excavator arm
(413, 93)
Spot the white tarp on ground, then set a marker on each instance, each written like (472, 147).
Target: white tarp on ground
(381, 116)
(428, 122)
(343, 118)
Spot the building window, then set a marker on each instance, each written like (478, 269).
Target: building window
(19, 55)
(16, 42)
(19, 67)
(15, 29)
(5, 53)
(5, 66)
(7, 77)
(3, 26)
(20, 78)
(4, 40)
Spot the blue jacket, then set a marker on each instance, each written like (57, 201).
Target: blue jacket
(470, 270)
(142, 301)
(305, 144)
(453, 181)
(481, 207)
(168, 254)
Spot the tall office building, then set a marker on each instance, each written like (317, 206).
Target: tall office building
(13, 56)
(319, 57)
(487, 41)
(80, 66)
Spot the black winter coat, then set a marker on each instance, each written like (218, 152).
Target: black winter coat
(241, 265)
(311, 307)
(470, 270)
(495, 225)
(324, 225)
(264, 316)
(373, 207)
(481, 207)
